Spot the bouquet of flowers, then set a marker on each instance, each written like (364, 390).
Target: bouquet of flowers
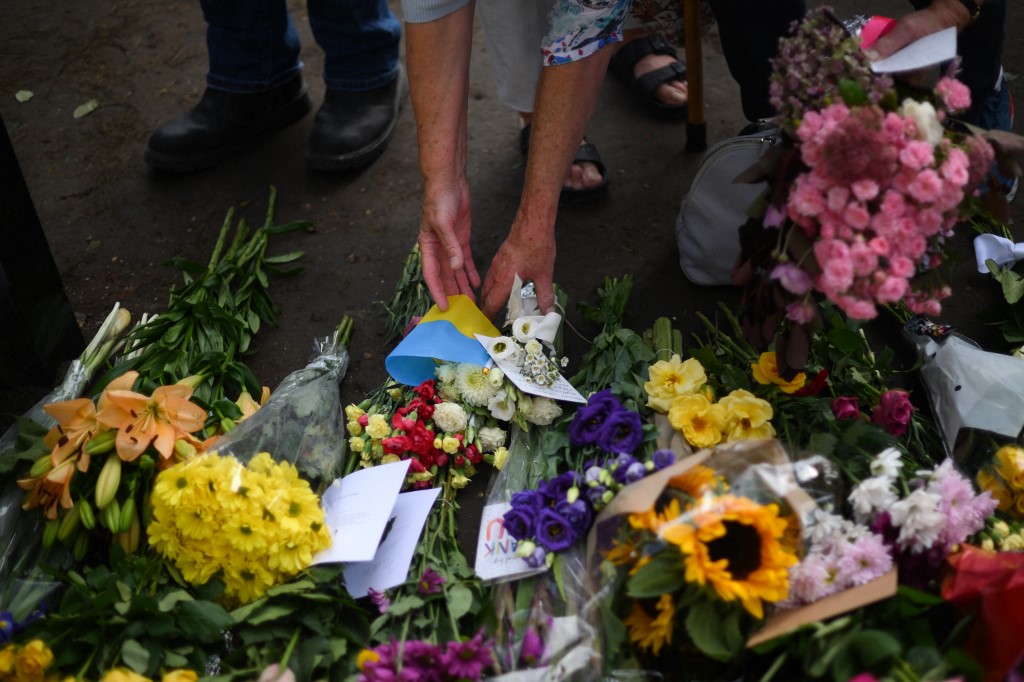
(865, 193)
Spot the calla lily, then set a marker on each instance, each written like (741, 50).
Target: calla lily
(160, 419)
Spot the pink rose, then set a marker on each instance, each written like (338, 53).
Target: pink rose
(893, 412)
(846, 407)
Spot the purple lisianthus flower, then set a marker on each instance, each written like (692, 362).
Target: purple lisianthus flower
(620, 465)
(592, 475)
(577, 513)
(537, 559)
(634, 472)
(595, 495)
(379, 599)
(662, 459)
(555, 490)
(554, 532)
(430, 582)
(590, 418)
(622, 432)
(520, 522)
(467, 660)
(528, 499)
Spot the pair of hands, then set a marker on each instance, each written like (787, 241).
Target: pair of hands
(448, 267)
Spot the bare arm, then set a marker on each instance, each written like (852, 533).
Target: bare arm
(438, 54)
(566, 97)
(937, 16)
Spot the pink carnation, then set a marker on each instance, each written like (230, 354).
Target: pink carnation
(865, 190)
(856, 215)
(955, 95)
(864, 259)
(917, 155)
(891, 290)
(926, 187)
(805, 199)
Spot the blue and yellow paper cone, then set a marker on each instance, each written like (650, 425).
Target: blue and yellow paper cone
(441, 336)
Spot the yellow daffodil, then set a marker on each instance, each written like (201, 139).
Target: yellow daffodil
(700, 421)
(651, 634)
(160, 419)
(746, 416)
(672, 378)
(766, 371)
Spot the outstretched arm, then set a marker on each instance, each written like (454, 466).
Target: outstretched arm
(566, 97)
(939, 15)
(437, 55)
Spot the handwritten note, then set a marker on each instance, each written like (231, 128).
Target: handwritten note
(496, 550)
(928, 51)
(560, 390)
(390, 565)
(356, 510)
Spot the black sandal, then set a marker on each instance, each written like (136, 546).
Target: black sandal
(586, 152)
(625, 59)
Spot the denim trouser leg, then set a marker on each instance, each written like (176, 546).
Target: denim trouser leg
(252, 44)
(360, 42)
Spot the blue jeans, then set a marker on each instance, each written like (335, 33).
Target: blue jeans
(253, 45)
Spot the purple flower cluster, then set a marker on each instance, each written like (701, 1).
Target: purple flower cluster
(603, 481)
(420, 661)
(605, 423)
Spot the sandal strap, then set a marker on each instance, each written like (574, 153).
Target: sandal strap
(635, 50)
(650, 81)
(587, 153)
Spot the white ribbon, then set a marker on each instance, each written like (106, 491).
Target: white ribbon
(1000, 249)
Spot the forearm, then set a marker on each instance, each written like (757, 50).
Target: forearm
(438, 54)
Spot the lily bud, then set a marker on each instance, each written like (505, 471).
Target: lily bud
(101, 443)
(184, 450)
(108, 482)
(42, 466)
(192, 381)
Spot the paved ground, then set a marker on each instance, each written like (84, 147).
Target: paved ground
(110, 222)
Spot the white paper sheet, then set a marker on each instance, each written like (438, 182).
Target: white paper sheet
(496, 550)
(928, 51)
(390, 565)
(357, 508)
(561, 390)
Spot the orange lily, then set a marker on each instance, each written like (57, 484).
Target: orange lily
(160, 419)
(76, 424)
(248, 405)
(50, 489)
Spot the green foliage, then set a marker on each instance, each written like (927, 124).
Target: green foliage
(1007, 315)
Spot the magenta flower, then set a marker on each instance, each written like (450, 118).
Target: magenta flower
(532, 651)
(893, 412)
(467, 660)
(430, 582)
(846, 407)
(380, 600)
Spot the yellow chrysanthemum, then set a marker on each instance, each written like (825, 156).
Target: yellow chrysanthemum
(766, 371)
(180, 675)
(651, 634)
(700, 421)
(746, 416)
(123, 675)
(735, 545)
(672, 378)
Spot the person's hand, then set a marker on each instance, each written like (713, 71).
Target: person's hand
(448, 267)
(529, 254)
(939, 15)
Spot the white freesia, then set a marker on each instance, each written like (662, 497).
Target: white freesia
(871, 495)
(502, 406)
(450, 417)
(887, 463)
(491, 438)
(929, 128)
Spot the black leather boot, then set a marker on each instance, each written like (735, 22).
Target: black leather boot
(352, 129)
(222, 124)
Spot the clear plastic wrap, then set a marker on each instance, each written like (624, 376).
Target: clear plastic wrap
(547, 622)
(302, 423)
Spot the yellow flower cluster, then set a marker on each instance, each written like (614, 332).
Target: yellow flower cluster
(126, 675)
(679, 388)
(766, 372)
(256, 526)
(1000, 536)
(27, 663)
(1005, 480)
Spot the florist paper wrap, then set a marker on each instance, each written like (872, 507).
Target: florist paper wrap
(302, 423)
(969, 388)
(447, 335)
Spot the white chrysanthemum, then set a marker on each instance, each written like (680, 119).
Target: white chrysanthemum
(445, 372)
(496, 377)
(919, 519)
(871, 495)
(473, 385)
(450, 417)
(502, 406)
(491, 438)
(929, 128)
(887, 463)
(540, 411)
(377, 427)
(505, 349)
(523, 329)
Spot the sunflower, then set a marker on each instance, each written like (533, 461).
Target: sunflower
(652, 633)
(697, 481)
(734, 544)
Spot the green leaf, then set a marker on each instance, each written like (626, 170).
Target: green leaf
(661, 575)
(85, 109)
(173, 659)
(269, 613)
(24, 95)
(203, 620)
(460, 600)
(172, 599)
(404, 605)
(135, 656)
(822, 443)
(1013, 286)
(289, 257)
(705, 625)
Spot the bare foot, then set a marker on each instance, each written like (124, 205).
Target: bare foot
(583, 175)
